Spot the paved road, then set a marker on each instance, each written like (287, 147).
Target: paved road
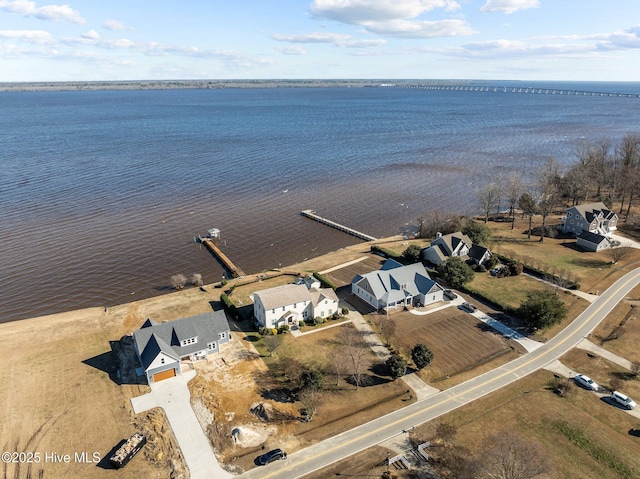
(379, 430)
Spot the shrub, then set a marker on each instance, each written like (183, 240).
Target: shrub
(326, 282)
(421, 355)
(516, 269)
(318, 320)
(412, 254)
(312, 379)
(283, 329)
(542, 309)
(480, 269)
(228, 306)
(492, 262)
(397, 365)
(455, 272)
(345, 311)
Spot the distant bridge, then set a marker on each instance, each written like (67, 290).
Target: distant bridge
(511, 89)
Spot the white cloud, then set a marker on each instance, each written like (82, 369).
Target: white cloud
(292, 50)
(54, 13)
(319, 37)
(115, 25)
(337, 39)
(393, 18)
(628, 39)
(358, 11)
(509, 6)
(420, 29)
(39, 37)
(91, 35)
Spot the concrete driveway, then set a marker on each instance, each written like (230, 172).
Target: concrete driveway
(173, 396)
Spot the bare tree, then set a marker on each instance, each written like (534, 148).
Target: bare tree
(548, 192)
(273, 342)
(514, 189)
(511, 455)
(488, 199)
(178, 281)
(340, 361)
(629, 153)
(310, 399)
(196, 279)
(358, 351)
(635, 368)
(618, 253)
(528, 206)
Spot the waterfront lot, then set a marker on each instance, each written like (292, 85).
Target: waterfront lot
(561, 256)
(343, 276)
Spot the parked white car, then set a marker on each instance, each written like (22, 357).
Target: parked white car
(586, 382)
(623, 400)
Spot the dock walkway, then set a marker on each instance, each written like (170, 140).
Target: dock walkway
(312, 215)
(235, 271)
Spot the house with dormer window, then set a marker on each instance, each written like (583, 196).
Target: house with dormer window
(395, 285)
(162, 346)
(454, 244)
(291, 304)
(591, 217)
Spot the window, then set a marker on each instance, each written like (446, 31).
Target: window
(161, 360)
(223, 335)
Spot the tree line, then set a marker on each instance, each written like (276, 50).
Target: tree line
(608, 171)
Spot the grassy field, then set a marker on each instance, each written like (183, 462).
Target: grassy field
(510, 291)
(593, 271)
(583, 436)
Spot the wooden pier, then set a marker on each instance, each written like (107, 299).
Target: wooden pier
(226, 262)
(312, 215)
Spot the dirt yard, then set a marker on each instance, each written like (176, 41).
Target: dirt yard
(343, 276)
(458, 340)
(244, 401)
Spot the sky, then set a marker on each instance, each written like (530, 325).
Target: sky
(95, 40)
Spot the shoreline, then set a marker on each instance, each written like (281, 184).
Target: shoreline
(212, 291)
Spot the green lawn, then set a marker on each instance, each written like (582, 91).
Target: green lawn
(509, 291)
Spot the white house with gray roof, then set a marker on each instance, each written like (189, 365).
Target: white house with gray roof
(161, 346)
(396, 285)
(290, 304)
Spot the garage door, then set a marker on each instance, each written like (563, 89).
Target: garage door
(164, 375)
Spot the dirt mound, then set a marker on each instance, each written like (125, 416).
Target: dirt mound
(263, 411)
(161, 448)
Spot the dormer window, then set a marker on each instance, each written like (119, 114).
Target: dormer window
(161, 360)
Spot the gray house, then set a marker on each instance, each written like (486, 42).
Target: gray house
(396, 285)
(454, 244)
(591, 217)
(161, 346)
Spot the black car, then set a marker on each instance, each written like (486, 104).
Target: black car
(450, 295)
(271, 456)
